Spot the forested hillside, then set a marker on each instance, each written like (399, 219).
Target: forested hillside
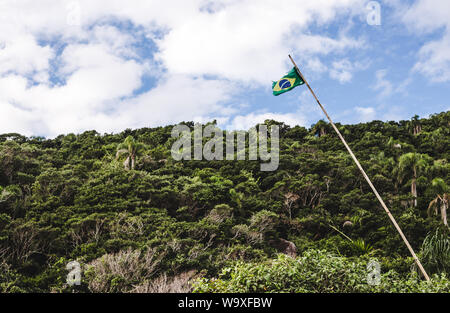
(139, 221)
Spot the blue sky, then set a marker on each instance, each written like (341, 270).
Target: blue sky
(70, 66)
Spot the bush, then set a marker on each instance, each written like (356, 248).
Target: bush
(435, 252)
(315, 271)
(163, 284)
(121, 271)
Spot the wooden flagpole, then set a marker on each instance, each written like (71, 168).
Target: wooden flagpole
(365, 176)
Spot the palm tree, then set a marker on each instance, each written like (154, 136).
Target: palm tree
(412, 163)
(414, 125)
(435, 252)
(132, 149)
(441, 199)
(320, 128)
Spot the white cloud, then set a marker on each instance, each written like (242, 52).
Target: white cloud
(90, 84)
(382, 85)
(181, 98)
(315, 65)
(365, 114)
(343, 70)
(248, 41)
(434, 59)
(13, 119)
(244, 122)
(22, 55)
(96, 83)
(427, 16)
(315, 44)
(395, 113)
(386, 87)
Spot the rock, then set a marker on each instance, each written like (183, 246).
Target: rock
(286, 247)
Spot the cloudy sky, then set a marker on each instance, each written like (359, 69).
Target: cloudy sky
(70, 66)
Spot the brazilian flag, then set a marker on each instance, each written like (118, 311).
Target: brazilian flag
(287, 82)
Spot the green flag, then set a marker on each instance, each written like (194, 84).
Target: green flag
(287, 82)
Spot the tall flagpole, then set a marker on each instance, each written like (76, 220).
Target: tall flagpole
(365, 176)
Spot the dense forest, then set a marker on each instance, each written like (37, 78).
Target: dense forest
(139, 221)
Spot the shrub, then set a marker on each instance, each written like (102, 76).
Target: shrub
(121, 271)
(163, 284)
(435, 252)
(315, 271)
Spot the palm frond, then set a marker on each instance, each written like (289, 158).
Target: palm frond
(120, 152)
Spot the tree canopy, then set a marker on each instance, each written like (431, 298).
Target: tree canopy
(137, 220)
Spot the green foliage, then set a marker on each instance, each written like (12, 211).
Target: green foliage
(91, 197)
(362, 247)
(314, 271)
(435, 252)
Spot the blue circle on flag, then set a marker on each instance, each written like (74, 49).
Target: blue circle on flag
(284, 83)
